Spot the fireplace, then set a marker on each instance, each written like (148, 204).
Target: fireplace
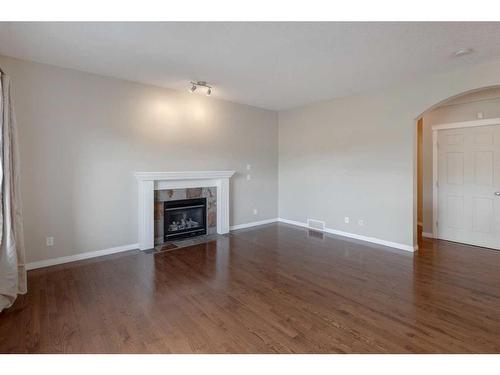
(184, 218)
(150, 182)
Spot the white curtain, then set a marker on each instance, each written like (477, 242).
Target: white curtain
(12, 268)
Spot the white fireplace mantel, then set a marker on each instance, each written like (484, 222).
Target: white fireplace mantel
(151, 181)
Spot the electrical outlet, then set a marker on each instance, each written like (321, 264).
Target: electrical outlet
(361, 222)
(49, 241)
(249, 167)
(255, 211)
(248, 177)
(346, 219)
(479, 115)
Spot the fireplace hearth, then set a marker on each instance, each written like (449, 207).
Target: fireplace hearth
(185, 218)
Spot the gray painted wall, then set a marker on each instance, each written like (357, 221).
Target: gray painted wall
(82, 136)
(355, 156)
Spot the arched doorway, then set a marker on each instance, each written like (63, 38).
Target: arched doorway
(458, 169)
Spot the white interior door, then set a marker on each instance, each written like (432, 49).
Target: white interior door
(468, 185)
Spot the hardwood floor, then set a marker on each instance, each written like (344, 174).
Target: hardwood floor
(273, 289)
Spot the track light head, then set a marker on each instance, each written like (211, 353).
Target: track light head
(197, 84)
(462, 52)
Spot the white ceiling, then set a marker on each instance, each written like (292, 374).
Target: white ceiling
(268, 65)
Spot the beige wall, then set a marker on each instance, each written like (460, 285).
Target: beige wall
(463, 108)
(82, 136)
(355, 156)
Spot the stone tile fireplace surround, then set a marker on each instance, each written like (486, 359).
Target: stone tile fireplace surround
(149, 182)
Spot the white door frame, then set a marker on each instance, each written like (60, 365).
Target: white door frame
(435, 129)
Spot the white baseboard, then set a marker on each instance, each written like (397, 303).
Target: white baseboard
(118, 249)
(427, 235)
(360, 237)
(81, 256)
(253, 224)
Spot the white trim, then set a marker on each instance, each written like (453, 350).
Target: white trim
(81, 256)
(184, 184)
(434, 182)
(296, 223)
(119, 249)
(427, 235)
(435, 129)
(253, 224)
(182, 175)
(467, 124)
(360, 237)
(150, 181)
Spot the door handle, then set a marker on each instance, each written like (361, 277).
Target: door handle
(497, 193)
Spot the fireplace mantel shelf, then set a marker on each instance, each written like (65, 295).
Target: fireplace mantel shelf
(151, 181)
(182, 175)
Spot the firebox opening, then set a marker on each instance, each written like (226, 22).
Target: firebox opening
(185, 218)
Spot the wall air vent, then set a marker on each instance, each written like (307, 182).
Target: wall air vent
(316, 224)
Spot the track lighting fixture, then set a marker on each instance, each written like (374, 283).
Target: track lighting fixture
(202, 84)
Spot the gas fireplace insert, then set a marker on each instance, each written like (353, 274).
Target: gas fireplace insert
(185, 218)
